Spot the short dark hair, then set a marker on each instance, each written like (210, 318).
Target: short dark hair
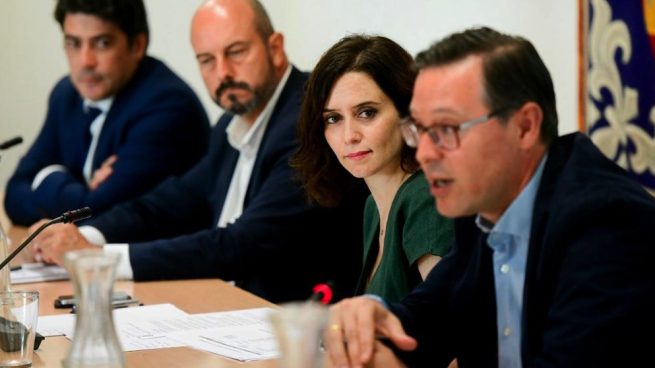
(392, 69)
(513, 72)
(128, 15)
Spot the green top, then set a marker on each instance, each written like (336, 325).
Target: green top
(414, 228)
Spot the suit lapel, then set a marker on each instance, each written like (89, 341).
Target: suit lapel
(539, 285)
(280, 131)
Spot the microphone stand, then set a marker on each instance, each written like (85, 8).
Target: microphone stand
(12, 331)
(67, 217)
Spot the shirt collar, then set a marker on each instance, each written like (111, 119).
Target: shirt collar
(517, 219)
(244, 137)
(104, 105)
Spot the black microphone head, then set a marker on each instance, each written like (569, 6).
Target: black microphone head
(76, 215)
(10, 143)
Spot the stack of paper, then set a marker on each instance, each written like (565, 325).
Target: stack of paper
(38, 272)
(241, 335)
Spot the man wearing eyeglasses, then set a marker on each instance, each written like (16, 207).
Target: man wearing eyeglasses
(552, 263)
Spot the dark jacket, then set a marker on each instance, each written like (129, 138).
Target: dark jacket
(156, 126)
(589, 295)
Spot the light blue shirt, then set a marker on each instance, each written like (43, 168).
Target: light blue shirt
(509, 239)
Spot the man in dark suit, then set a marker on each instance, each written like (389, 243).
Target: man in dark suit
(552, 263)
(118, 125)
(238, 214)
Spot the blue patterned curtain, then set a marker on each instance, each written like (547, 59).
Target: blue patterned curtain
(619, 83)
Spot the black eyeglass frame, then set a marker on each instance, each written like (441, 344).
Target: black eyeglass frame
(412, 132)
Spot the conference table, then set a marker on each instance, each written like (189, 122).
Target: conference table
(192, 296)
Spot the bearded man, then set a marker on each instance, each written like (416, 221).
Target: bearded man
(238, 214)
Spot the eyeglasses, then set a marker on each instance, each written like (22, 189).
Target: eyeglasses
(442, 135)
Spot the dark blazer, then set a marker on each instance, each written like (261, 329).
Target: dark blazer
(278, 248)
(156, 126)
(589, 296)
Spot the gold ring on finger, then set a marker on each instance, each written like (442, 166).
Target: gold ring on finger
(335, 327)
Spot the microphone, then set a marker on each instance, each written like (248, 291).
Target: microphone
(66, 218)
(71, 216)
(11, 142)
(321, 293)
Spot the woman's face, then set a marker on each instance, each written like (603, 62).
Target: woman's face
(361, 127)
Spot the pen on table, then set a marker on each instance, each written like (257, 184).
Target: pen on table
(125, 303)
(67, 301)
(27, 266)
(116, 304)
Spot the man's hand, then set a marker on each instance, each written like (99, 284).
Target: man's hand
(103, 172)
(354, 324)
(54, 241)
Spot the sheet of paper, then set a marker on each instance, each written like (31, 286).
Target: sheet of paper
(239, 343)
(142, 328)
(38, 272)
(242, 335)
(138, 328)
(56, 325)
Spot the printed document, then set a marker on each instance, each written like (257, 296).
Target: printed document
(242, 335)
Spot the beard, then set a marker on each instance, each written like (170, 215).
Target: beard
(259, 95)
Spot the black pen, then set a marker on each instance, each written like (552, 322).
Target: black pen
(27, 266)
(122, 303)
(116, 305)
(67, 301)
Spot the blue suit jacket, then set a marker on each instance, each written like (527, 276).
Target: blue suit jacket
(278, 248)
(589, 296)
(156, 126)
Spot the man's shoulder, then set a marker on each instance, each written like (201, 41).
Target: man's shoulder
(155, 86)
(294, 86)
(153, 68)
(580, 178)
(281, 130)
(576, 162)
(298, 77)
(296, 82)
(64, 98)
(64, 88)
(155, 79)
(288, 104)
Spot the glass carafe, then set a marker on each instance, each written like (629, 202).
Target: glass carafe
(95, 343)
(299, 329)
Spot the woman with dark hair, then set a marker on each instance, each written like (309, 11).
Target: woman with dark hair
(349, 131)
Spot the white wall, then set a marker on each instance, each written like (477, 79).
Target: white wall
(31, 58)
